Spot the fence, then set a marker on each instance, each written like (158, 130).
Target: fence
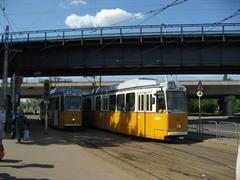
(123, 31)
(221, 129)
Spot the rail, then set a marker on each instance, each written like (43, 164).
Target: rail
(123, 31)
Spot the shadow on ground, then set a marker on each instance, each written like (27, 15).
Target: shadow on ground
(29, 166)
(92, 138)
(7, 176)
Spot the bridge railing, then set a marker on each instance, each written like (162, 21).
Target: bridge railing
(123, 31)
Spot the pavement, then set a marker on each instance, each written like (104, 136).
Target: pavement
(95, 154)
(52, 157)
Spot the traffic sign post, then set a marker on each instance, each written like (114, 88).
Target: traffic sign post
(199, 115)
(199, 94)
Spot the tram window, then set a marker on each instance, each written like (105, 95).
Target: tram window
(112, 102)
(142, 103)
(72, 103)
(62, 103)
(50, 103)
(105, 104)
(98, 103)
(120, 102)
(130, 102)
(88, 104)
(151, 102)
(148, 102)
(57, 103)
(176, 101)
(161, 107)
(139, 102)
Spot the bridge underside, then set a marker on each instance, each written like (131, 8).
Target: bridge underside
(133, 55)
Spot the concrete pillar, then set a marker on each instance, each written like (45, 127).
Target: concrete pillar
(229, 105)
(16, 82)
(19, 81)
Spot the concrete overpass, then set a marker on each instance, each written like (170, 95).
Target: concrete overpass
(225, 91)
(212, 89)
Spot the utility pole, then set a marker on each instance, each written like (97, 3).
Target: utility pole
(13, 95)
(100, 81)
(5, 69)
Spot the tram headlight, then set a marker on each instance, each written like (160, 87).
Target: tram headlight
(178, 126)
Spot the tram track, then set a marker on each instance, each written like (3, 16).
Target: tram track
(195, 164)
(155, 158)
(158, 160)
(143, 172)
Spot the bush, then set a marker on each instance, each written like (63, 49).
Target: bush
(207, 105)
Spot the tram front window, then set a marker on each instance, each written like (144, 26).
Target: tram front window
(176, 101)
(72, 103)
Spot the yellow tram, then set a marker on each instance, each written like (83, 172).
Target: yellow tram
(64, 108)
(139, 107)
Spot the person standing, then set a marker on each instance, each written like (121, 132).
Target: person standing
(2, 123)
(19, 122)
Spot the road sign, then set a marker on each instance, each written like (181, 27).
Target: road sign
(200, 87)
(199, 93)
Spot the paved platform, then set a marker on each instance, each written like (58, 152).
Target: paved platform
(52, 157)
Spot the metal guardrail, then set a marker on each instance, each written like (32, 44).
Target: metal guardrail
(219, 129)
(216, 128)
(231, 123)
(123, 31)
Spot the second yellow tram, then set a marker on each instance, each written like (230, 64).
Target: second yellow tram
(64, 108)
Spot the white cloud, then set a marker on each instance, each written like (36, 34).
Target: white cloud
(77, 2)
(105, 17)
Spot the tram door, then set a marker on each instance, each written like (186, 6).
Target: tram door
(144, 106)
(56, 111)
(141, 115)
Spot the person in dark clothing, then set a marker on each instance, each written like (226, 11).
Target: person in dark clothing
(19, 122)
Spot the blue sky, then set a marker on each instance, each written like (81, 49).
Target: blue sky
(54, 14)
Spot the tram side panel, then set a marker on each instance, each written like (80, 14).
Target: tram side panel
(147, 115)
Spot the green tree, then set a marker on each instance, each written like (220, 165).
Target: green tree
(207, 105)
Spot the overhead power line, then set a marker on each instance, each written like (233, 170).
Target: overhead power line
(236, 13)
(6, 17)
(175, 3)
(153, 12)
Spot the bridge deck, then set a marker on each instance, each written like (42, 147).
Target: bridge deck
(151, 49)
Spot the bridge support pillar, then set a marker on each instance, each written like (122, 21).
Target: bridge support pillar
(229, 105)
(16, 82)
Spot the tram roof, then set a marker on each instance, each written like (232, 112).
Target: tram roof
(133, 83)
(65, 90)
